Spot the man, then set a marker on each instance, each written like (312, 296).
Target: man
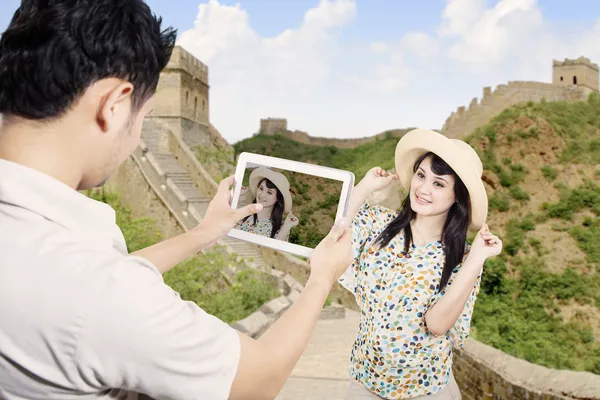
(80, 318)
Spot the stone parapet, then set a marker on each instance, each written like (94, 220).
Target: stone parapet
(483, 372)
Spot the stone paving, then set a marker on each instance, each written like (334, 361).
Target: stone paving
(322, 372)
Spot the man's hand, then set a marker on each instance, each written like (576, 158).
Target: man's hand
(220, 218)
(332, 257)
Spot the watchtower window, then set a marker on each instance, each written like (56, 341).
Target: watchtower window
(187, 97)
(561, 78)
(195, 106)
(203, 105)
(574, 80)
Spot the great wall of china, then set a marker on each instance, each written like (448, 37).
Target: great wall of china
(572, 80)
(272, 126)
(165, 180)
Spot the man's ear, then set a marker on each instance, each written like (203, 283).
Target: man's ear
(115, 106)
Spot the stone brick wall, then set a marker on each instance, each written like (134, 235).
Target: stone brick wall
(271, 126)
(137, 195)
(194, 99)
(259, 321)
(303, 137)
(580, 71)
(483, 372)
(299, 270)
(465, 120)
(183, 90)
(186, 158)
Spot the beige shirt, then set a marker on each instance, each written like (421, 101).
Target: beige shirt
(81, 319)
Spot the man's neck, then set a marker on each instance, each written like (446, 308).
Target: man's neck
(41, 150)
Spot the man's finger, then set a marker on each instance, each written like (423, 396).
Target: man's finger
(337, 231)
(344, 234)
(248, 210)
(226, 183)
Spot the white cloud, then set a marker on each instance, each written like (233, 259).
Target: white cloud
(424, 46)
(378, 47)
(331, 87)
(459, 16)
(253, 76)
(400, 58)
(384, 77)
(488, 36)
(218, 28)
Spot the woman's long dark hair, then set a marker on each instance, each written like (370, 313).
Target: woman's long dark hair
(276, 213)
(455, 229)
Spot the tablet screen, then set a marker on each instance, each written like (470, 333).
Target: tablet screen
(300, 203)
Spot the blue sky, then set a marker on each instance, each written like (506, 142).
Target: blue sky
(344, 68)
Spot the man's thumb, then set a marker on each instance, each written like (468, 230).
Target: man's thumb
(249, 210)
(337, 231)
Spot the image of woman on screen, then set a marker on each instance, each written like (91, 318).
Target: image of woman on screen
(272, 190)
(414, 276)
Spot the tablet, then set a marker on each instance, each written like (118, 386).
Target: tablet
(301, 202)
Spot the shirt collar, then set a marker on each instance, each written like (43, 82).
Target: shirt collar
(40, 193)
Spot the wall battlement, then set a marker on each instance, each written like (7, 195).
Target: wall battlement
(466, 119)
(182, 93)
(183, 60)
(303, 137)
(578, 61)
(272, 126)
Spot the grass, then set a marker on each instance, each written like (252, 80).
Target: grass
(549, 173)
(217, 161)
(518, 309)
(358, 160)
(511, 315)
(574, 200)
(519, 313)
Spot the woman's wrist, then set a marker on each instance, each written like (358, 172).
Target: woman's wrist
(361, 191)
(475, 261)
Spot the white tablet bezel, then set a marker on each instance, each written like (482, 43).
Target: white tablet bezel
(346, 177)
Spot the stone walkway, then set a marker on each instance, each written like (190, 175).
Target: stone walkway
(322, 372)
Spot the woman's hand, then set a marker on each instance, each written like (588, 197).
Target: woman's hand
(290, 221)
(377, 179)
(485, 245)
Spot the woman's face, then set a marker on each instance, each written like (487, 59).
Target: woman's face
(265, 196)
(431, 194)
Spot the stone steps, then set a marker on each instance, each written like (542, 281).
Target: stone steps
(151, 135)
(169, 164)
(197, 202)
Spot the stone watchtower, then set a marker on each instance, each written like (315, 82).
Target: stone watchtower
(272, 126)
(181, 99)
(580, 72)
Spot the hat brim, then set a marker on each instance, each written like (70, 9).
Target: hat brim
(259, 173)
(420, 141)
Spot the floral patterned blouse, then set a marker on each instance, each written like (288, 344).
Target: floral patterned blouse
(394, 355)
(262, 228)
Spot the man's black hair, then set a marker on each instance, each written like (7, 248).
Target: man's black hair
(53, 50)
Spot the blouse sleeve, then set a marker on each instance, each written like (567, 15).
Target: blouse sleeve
(459, 333)
(369, 222)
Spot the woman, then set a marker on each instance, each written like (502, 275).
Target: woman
(414, 276)
(272, 190)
